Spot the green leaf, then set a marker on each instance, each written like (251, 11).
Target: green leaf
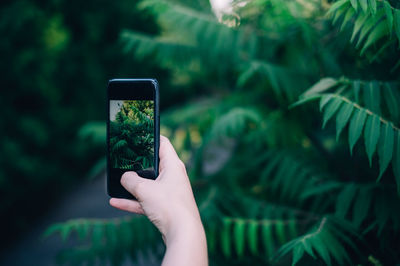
(330, 109)
(320, 189)
(364, 5)
(272, 78)
(361, 206)
(97, 234)
(339, 12)
(52, 229)
(396, 66)
(298, 252)
(308, 248)
(111, 234)
(349, 15)
(245, 76)
(358, 24)
(336, 6)
(376, 34)
(321, 248)
(380, 51)
(336, 248)
(288, 173)
(226, 238)
(345, 199)
(292, 228)
(280, 231)
(372, 6)
(304, 100)
(369, 24)
(321, 86)
(385, 150)
(356, 127)
(83, 229)
(389, 15)
(120, 144)
(271, 166)
(267, 239)
(396, 161)
(392, 99)
(396, 20)
(342, 118)
(324, 100)
(253, 237)
(354, 3)
(285, 249)
(371, 135)
(356, 89)
(126, 233)
(238, 232)
(66, 230)
(345, 231)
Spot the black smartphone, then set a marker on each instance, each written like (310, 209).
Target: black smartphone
(133, 131)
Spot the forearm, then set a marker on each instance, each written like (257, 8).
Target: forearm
(188, 246)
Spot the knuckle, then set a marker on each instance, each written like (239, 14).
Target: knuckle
(138, 186)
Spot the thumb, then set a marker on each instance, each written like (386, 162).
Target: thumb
(135, 184)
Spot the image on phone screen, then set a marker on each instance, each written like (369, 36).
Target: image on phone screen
(132, 132)
(131, 135)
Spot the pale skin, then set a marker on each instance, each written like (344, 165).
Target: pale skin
(169, 203)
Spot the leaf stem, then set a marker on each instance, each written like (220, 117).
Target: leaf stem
(369, 112)
(320, 227)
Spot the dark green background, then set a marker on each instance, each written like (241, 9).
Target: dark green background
(56, 60)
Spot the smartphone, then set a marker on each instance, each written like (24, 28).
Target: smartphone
(133, 131)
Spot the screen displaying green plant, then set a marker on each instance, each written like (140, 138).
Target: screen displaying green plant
(131, 140)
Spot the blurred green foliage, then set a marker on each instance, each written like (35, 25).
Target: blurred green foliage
(276, 183)
(56, 58)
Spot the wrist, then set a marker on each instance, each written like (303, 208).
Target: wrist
(184, 227)
(186, 244)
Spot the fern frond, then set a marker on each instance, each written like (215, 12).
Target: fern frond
(361, 204)
(104, 237)
(326, 241)
(379, 132)
(371, 21)
(234, 123)
(199, 28)
(357, 196)
(240, 236)
(144, 46)
(288, 177)
(281, 79)
(368, 204)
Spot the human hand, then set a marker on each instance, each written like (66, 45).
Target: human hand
(169, 203)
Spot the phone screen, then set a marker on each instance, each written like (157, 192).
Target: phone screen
(131, 135)
(132, 127)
